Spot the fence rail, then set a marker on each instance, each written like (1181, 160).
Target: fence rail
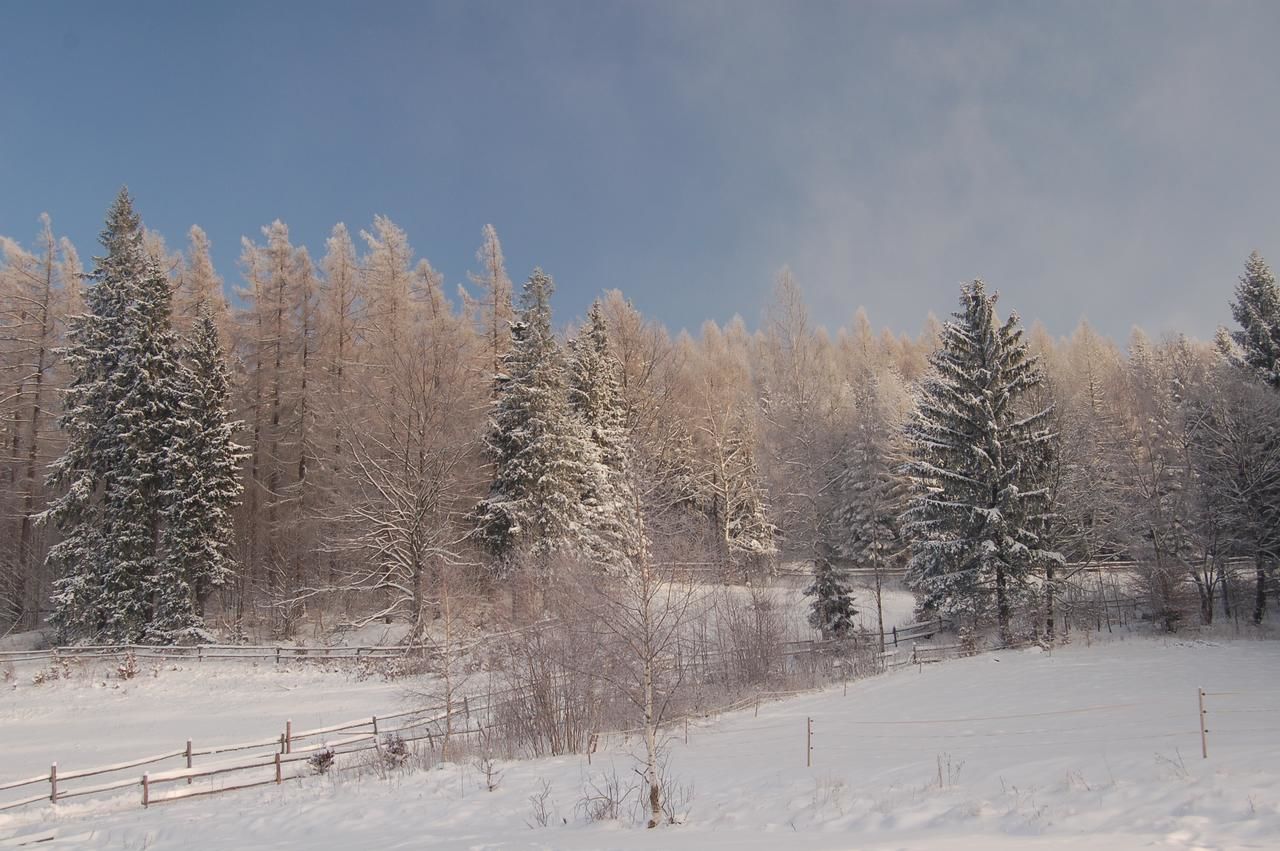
(201, 652)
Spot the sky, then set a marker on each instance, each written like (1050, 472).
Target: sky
(1114, 161)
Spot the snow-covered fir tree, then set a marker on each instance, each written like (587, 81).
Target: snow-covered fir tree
(536, 445)
(204, 490)
(1256, 346)
(832, 610)
(121, 414)
(978, 468)
(613, 536)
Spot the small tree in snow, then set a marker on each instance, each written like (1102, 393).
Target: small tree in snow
(832, 610)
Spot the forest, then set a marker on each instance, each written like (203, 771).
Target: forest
(342, 438)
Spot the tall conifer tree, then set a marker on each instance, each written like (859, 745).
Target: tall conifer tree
(978, 468)
(121, 414)
(534, 506)
(614, 537)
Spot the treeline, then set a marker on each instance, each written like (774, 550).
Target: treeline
(389, 436)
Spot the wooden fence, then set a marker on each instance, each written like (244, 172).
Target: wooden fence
(274, 761)
(286, 654)
(200, 652)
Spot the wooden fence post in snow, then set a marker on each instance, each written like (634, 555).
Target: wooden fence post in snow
(188, 759)
(808, 743)
(277, 769)
(895, 636)
(288, 736)
(146, 790)
(53, 783)
(1204, 740)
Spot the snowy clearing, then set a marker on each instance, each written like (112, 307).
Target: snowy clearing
(1021, 749)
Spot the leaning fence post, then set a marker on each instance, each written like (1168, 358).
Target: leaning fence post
(146, 790)
(1204, 739)
(53, 783)
(188, 760)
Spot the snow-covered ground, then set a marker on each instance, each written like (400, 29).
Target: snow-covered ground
(1084, 746)
(94, 718)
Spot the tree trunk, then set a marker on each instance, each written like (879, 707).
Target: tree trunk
(1049, 592)
(1260, 593)
(879, 607)
(1002, 605)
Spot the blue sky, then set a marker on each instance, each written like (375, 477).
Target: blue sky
(1111, 160)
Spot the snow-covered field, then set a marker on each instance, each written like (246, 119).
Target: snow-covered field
(1085, 746)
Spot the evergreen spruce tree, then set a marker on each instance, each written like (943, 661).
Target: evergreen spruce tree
(1257, 311)
(536, 446)
(205, 489)
(614, 537)
(977, 469)
(832, 610)
(121, 413)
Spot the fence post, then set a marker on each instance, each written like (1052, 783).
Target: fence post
(466, 708)
(1204, 739)
(895, 636)
(53, 783)
(277, 655)
(188, 760)
(288, 736)
(277, 769)
(199, 653)
(146, 790)
(808, 743)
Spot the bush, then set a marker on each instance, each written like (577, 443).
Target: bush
(321, 761)
(128, 667)
(394, 750)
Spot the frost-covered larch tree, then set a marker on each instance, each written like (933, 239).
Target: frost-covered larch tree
(121, 414)
(977, 469)
(493, 309)
(743, 510)
(205, 489)
(1256, 346)
(614, 536)
(536, 446)
(869, 490)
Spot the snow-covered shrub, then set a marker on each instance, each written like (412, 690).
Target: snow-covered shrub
(321, 761)
(394, 751)
(128, 667)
